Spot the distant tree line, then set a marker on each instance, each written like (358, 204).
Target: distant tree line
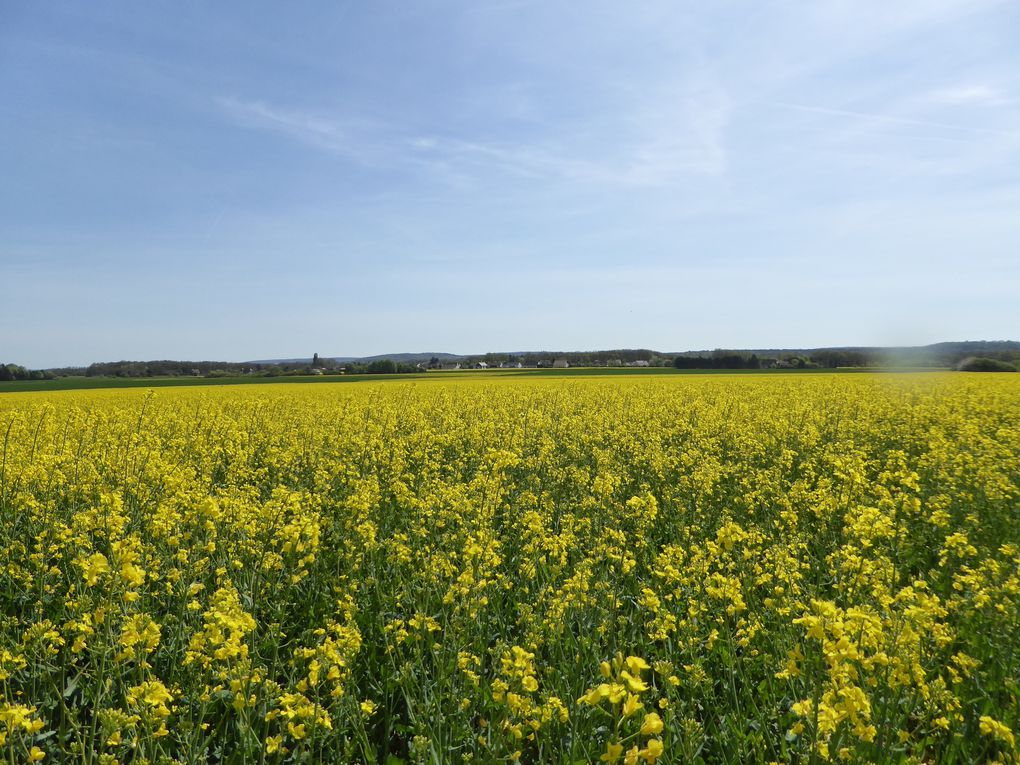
(10, 372)
(381, 367)
(979, 364)
(721, 361)
(825, 358)
(949, 354)
(167, 368)
(831, 359)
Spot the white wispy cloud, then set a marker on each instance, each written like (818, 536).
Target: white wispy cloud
(978, 94)
(687, 136)
(654, 142)
(878, 17)
(335, 136)
(896, 119)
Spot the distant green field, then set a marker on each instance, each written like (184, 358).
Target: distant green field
(600, 371)
(84, 383)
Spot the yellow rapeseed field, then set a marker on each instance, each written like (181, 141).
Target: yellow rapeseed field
(711, 569)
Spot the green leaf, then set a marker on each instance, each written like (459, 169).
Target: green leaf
(71, 687)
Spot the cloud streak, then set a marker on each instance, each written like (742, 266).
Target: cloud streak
(895, 120)
(652, 144)
(342, 138)
(971, 95)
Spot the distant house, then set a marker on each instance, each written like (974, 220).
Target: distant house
(638, 363)
(561, 364)
(482, 365)
(511, 365)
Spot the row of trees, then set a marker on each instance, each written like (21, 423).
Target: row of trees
(167, 368)
(826, 358)
(832, 359)
(10, 372)
(722, 361)
(979, 364)
(163, 368)
(381, 367)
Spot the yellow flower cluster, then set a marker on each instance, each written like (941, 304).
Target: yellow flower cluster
(517, 688)
(222, 638)
(622, 692)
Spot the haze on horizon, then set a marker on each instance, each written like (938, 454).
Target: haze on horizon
(239, 181)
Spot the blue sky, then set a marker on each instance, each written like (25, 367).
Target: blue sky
(254, 180)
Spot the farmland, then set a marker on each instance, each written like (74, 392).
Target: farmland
(93, 383)
(659, 568)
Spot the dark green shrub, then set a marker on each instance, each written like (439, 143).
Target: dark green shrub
(977, 364)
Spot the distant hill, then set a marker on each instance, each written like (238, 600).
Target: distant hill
(976, 346)
(410, 358)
